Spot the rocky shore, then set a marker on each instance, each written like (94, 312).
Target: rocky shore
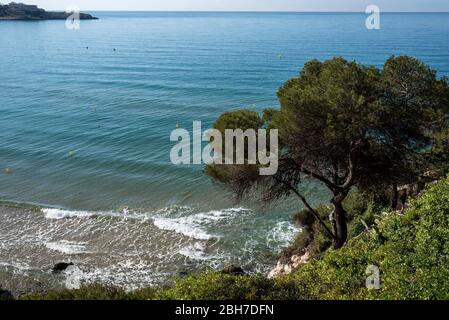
(286, 267)
(20, 11)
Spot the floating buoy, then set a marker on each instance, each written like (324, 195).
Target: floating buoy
(7, 171)
(280, 56)
(72, 153)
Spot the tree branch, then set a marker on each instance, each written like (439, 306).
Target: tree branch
(327, 182)
(304, 201)
(351, 166)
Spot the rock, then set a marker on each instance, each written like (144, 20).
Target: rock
(283, 269)
(20, 11)
(233, 270)
(183, 274)
(62, 266)
(6, 295)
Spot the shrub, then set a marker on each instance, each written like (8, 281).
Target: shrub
(87, 292)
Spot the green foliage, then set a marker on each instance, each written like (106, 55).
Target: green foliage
(88, 292)
(359, 224)
(382, 116)
(411, 252)
(355, 204)
(440, 151)
(92, 292)
(216, 286)
(359, 207)
(312, 238)
(240, 119)
(362, 210)
(304, 218)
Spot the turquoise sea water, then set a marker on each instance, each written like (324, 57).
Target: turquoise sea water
(84, 130)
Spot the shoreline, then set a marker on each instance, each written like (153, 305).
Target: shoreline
(20, 277)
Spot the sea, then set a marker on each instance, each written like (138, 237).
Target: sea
(85, 121)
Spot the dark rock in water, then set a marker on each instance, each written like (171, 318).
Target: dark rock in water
(20, 11)
(62, 266)
(233, 270)
(183, 274)
(6, 295)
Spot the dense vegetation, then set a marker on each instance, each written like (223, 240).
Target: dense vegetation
(410, 249)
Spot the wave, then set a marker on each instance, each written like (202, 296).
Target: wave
(195, 252)
(62, 214)
(58, 214)
(22, 266)
(178, 226)
(195, 225)
(282, 235)
(180, 220)
(67, 247)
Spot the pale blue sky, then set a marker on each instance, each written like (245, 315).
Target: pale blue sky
(244, 5)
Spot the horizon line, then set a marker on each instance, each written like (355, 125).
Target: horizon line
(252, 11)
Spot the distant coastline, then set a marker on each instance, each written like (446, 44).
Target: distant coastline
(20, 11)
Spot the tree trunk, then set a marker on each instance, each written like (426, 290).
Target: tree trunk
(339, 226)
(394, 197)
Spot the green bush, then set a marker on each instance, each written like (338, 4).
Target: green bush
(412, 252)
(88, 292)
(313, 237)
(355, 204)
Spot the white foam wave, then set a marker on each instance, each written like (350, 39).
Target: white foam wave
(67, 247)
(195, 252)
(128, 274)
(195, 225)
(22, 266)
(282, 235)
(178, 219)
(125, 213)
(63, 214)
(178, 226)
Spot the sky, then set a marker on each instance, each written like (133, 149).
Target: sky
(244, 5)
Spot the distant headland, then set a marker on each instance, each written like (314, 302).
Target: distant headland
(20, 11)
